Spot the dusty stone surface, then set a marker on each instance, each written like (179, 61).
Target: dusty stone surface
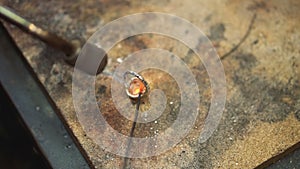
(261, 118)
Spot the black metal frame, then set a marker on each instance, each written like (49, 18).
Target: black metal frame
(37, 110)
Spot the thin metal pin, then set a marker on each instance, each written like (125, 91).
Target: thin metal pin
(125, 163)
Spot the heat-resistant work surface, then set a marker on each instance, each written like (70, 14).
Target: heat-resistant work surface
(262, 114)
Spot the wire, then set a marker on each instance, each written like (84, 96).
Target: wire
(136, 114)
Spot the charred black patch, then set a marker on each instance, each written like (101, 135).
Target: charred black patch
(217, 32)
(102, 89)
(297, 115)
(246, 61)
(136, 42)
(266, 101)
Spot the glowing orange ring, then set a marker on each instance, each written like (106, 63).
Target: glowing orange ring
(136, 86)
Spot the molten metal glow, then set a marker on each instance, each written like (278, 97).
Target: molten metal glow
(137, 87)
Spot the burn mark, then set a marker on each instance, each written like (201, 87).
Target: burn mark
(246, 61)
(217, 32)
(136, 42)
(297, 115)
(102, 89)
(266, 101)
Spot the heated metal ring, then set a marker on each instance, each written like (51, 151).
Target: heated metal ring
(136, 85)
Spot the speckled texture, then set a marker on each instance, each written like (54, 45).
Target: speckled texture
(261, 118)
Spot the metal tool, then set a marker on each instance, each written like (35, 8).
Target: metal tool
(71, 49)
